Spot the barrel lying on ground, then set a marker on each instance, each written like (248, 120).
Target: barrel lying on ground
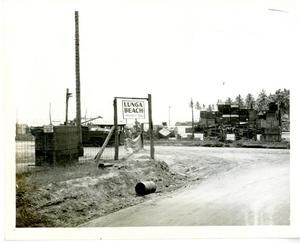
(145, 187)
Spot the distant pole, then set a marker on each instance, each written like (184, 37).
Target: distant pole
(68, 95)
(192, 122)
(116, 129)
(169, 115)
(67, 98)
(50, 114)
(150, 126)
(78, 104)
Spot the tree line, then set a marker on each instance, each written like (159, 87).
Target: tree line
(280, 97)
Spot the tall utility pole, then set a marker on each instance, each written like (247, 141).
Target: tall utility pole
(68, 95)
(78, 104)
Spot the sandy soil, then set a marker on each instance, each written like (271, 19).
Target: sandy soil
(70, 196)
(254, 192)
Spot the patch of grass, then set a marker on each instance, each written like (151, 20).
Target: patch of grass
(26, 215)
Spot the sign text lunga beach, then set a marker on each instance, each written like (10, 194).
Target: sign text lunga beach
(133, 109)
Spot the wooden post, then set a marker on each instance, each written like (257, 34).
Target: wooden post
(54, 148)
(279, 115)
(116, 130)
(77, 66)
(150, 126)
(142, 134)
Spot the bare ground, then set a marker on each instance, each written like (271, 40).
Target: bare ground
(70, 196)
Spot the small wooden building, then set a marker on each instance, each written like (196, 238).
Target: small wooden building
(56, 144)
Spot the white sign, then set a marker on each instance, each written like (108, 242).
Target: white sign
(133, 109)
(230, 136)
(48, 129)
(165, 132)
(199, 136)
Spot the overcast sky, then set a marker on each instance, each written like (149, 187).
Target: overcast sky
(175, 50)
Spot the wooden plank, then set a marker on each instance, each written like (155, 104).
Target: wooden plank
(104, 144)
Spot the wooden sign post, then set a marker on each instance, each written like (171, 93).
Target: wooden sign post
(116, 129)
(150, 126)
(134, 108)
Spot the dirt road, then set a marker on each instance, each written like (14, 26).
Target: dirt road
(228, 186)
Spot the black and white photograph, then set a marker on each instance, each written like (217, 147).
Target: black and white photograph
(150, 119)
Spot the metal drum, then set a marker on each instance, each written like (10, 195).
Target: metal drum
(145, 187)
